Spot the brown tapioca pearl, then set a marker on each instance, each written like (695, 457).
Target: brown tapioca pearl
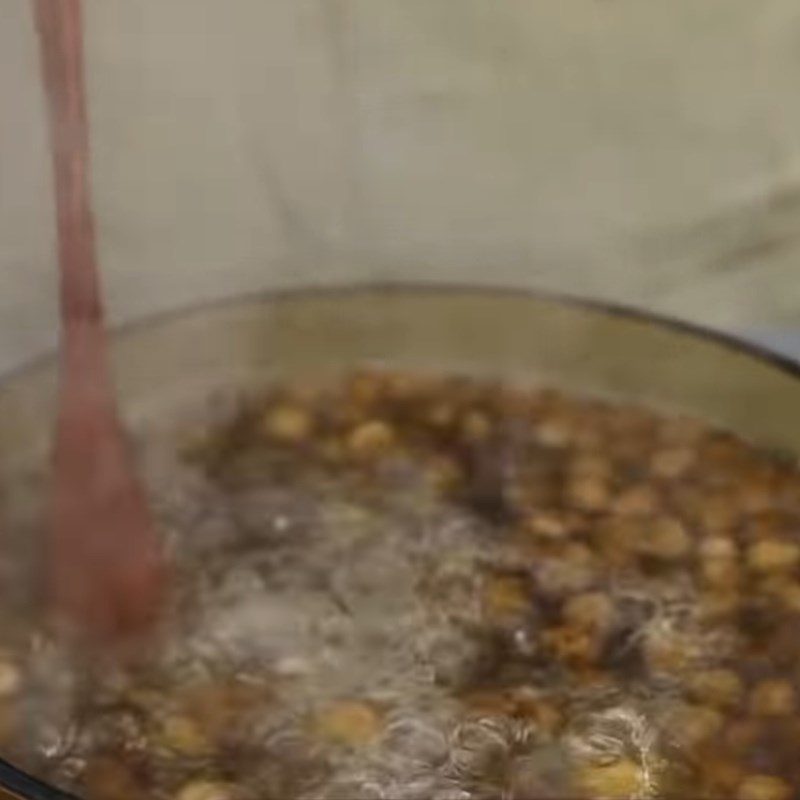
(183, 736)
(639, 500)
(534, 492)
(590, 611)
(686, 500)
(672, 462)
(789, 595)
(758, 622)
(217, 707)
(366, 389)
(590, 494)
(719, 688)
(780, 743)
(577, 553)
(288, 424)
(664, 538)
(590, 465)
(551, 526)
(441, 415)
(773, 555)
(768, 525)
(540, 404)
(407, 386)
(475, 426)
(773, 698)
(589, 439)
(756, 497)
(769, 584)
(616, 539)
(590, 675)
(554, 432)
(572, 569)
(515, 403)
(352, 723)
(146, 700)
(719, 605)
(742, 735)
(720, 774)
(781, 644)
(722, 450)
(617, 781)
(717, 515)
(572, 645)
(629, 458)
(10, 677)
(543, 713)
(528, 551)
(668, 649)
(720, 574)
(693, 725)
(110, 778)
(578, 521)
(371, 439)
(718, 548)
(505, 597)
(788, 492)
(763, 787)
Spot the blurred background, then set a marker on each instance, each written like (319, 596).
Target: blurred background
(639, 151)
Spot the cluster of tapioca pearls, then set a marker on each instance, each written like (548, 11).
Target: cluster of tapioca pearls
(726, 722)
(376, 414)
(184, 735)
(572, 569)
(718, 701)
(621, 487)
(703, 503)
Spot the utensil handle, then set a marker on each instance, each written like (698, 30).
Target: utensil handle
(60, 27)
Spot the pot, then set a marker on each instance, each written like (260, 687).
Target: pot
(166, 361)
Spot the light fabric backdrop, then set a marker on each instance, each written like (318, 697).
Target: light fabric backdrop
(638, 150)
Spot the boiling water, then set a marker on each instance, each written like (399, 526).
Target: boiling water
(374, 625)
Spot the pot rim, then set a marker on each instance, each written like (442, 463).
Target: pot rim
(724, 339)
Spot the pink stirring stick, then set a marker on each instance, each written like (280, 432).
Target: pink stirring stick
(106, 569)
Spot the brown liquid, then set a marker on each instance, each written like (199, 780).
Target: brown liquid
(106, 571)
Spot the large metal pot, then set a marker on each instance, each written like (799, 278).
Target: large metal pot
(168, 360)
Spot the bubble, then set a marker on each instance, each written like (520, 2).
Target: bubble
(415, 740)
(478, 747)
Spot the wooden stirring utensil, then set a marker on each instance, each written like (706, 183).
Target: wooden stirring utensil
(106, 570)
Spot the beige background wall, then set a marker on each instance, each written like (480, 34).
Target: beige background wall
(639, 150)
